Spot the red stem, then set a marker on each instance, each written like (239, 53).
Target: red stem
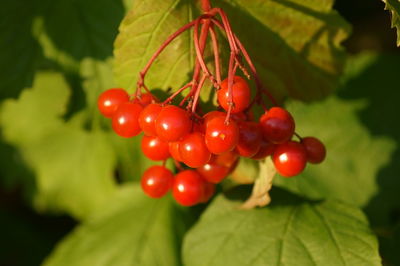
(216, 55)
(143, 73)
(196, 96)
(170, 98)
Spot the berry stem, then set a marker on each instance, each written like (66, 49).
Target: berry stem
(197, 94)
(170, 98)
(143, 72)
(216, 55)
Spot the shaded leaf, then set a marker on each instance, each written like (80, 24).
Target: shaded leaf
(393, 6)
(132, 229)
(298, 233)
(19, 51)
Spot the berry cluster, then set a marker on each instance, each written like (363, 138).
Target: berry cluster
(206, 149)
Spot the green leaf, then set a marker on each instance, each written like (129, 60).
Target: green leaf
(295, 45)
(132, 229)
(73, 167)
(142, 31)
(293, 232)
(393, 6)
(354, 157)
(373, 77)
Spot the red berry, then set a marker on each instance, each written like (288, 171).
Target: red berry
(174, 150)
(227, 159)
(146, 99)
(240, 94)
(109, 101)
(213, 172)
(172, 123)
(221, 137)
(193, 150)
(188, 188)
(210, 115)
(157, 181)
(315, 149)
(277, 125)
(266, 149)
(290, 158)
(249, 139)
(125, 120)
(209, 190)
(154, 148)
(148, 117)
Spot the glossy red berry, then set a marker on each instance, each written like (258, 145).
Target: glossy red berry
(315, 149)
(277, 125)
(188, 188)
(148, 117)
(209, 190)
(240, 94)
(266, 149)
(109, 101)
(213, 172)
(227, 159)
(125, 120)
(221, 137)
(146, 99)
(210, 115)
(249, 138)
(174, 150)
(172, 123)
(193, 150)
(157, 181)
(154, 148)
(290, 158)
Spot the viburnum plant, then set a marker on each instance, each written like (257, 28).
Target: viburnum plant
(206, 146)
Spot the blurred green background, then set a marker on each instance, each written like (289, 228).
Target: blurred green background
(27, 236)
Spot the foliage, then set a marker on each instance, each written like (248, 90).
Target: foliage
(394, 7)
(58, 58)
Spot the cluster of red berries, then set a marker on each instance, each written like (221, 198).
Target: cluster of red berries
(209, 146)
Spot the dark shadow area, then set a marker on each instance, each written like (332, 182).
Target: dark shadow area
(27, 237)
(371, 25)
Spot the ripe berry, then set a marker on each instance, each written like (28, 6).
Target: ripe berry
(210, 115)
(266, 149)
(174, 150)
(154, 148)
(157, 181)
(277, 125)
(146, 99)
(290, 158)
(172, 123)
(193, 150)
(240, 95)
(249, 139)
(221, 137)
(209, 190)
(109, 101)
(315, 149)
(227, 159)
(188, 188)
(125, 120)
(148, 117)
(213, 172)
